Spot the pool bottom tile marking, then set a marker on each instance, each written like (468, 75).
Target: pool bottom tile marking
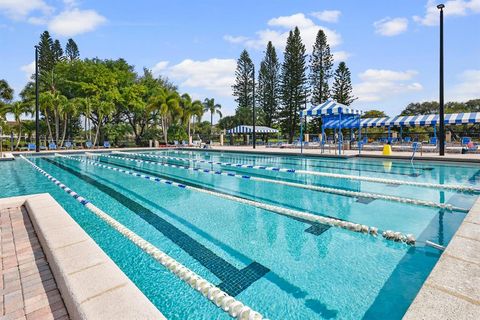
(231, 277)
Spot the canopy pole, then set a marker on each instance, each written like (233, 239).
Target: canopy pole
(339, 133)
(301, 135)
(389, 139)
(401, 134)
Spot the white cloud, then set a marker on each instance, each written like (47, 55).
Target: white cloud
(391, 27)
(378, 84)
(75, 21)
(214, 75)
(29, 69)
(279, 30)
(327, 15)
(468, 88)
(341, 56)
(20, 9)
(452, 8)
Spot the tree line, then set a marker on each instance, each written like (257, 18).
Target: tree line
(285, 88)
(96, 100)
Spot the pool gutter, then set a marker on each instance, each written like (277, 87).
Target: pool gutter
(91, 284)
(452, 289)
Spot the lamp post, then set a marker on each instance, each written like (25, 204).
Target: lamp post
(441, 137)
(253, 97)
(37, 125)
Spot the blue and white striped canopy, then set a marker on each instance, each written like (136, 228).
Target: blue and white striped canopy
(347, 123)
(374, 122)
(422, 120)
(329, 107)
(249, 129)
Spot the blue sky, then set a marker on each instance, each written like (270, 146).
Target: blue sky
(391, 47)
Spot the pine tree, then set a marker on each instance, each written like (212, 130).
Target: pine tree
(321, 63)
(46, 60)
(57, 51)
(71, 50)
(342, 85)
(268, 86)
(293, 84)
(243, 88)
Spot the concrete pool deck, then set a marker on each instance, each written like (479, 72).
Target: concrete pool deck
(91, 285)
(452, 290)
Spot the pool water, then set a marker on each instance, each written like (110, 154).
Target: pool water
(281, 267)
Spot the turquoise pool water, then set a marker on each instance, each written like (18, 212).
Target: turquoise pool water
(279, 266)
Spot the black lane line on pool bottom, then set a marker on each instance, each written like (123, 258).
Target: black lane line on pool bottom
(234, 281)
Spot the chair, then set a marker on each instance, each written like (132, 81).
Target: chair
(465, 140)
(433, 141)
(68, 145)
(175, 142)
(407, 139)
(89, 144)
(106, 144)
(52, 146)
(31, 147)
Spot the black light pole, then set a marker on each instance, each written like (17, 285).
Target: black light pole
(441, 139)
(37, 125)
(253, 96)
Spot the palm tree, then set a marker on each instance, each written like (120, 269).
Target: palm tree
(166, 103)
(6, 95)
(190, 110)
(16, 108)
(53, 102)
(210, 106)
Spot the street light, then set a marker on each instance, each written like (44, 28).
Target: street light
(441, 139)
(253, 97)
(37, 125)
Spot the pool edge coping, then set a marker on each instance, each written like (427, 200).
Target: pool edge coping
(450, 291)
(114, 297)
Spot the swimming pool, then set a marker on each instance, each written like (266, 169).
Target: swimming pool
(281, 266)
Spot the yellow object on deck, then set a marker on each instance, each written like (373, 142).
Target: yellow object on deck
(387, 150)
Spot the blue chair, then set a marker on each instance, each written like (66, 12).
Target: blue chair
(433, 141)
(31, 147)
(106, 144)
(89, 144)
(465, 140)
(68, 145)
(416, 146)
(52, 146)
(407, 139)
(175, 142)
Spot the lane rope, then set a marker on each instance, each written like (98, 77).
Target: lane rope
(355, 227)
(462, 188)
(356, 194)
(221, 299)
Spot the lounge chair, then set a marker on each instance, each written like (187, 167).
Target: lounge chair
(433, 141)
(465, 140)
(52, 146)
(89, 144)
(106, 144)
(175, 143)
(31, 147)
(68, 145)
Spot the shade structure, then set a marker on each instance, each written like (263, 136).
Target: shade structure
(347, 123)
(249, 129)
(329, 107)
(422, 120)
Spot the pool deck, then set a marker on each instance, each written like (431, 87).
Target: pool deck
(452, 291)
(29, 290)
(60, 269)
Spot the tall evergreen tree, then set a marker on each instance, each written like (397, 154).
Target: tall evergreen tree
(57, 51)
(46, 60)
(268, 86)
(293, 84)
(71, 50)
(321, 63)
(243, 88)
(342, 85)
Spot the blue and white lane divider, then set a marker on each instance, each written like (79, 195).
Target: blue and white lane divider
(462, 188)
(342, 192)
(229, 304)
(356, 227)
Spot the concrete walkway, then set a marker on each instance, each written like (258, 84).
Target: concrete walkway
(29, 290)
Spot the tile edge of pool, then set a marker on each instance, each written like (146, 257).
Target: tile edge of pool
(116, 298)
(449, 291)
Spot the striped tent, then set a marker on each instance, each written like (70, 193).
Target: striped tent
(374, 122)
(347, 123)
(249, 129)
(422, 120)
(329, 107)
